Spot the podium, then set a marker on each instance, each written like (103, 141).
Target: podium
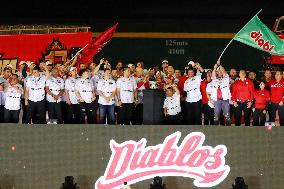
(153, 100)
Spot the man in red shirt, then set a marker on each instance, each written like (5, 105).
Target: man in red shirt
(277, 98)
(242, 97)
(261, 100)
(267, 79)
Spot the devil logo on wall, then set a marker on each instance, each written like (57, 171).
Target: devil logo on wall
(8, 61)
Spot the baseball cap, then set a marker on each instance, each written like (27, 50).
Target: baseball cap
(165, 61)
(22, 62)
(190, 63)
(48, 63)
(9, 66)
(130, 65)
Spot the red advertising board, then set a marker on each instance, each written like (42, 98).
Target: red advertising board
(32, 47)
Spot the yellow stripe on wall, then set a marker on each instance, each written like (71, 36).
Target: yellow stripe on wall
(171, 35)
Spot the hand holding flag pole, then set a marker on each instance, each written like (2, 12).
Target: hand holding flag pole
(78, 52)
(236, 35)
(67, 63)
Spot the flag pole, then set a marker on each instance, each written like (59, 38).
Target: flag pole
(237, 34)
(78, 52)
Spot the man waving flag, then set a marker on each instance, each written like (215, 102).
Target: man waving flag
(256, 34)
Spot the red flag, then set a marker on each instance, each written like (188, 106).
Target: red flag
(96, 45)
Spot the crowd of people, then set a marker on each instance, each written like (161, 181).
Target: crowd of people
(101, 94)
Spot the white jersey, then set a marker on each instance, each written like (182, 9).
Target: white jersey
(107, 87)
(95, 79)
(140, 88)
(192, 89)
(4, 83)
(63, 97)
(140, 93)
(70, 86)
(1, 96)
(224, 84)
(127, 86)
(55, 85)
(172, 104)
(209, 89)
(13, 97)
(35, 86)
(85, 88)
(20, 75)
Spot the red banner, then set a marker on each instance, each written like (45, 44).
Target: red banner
(31, 47)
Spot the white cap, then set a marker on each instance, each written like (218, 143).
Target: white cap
(130, 65)
(9, 66)
(165, 61)
(190, 63)
(22, 62)
(48, 63)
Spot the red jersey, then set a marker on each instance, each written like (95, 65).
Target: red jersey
(277, 91)
(181, 83)
(242, 91)
(261, 97)
(268, 84)
(203, 86)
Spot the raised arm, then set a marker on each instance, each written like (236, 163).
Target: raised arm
(224, 72)
(74, 61)
(199, 67)
(216, 66)
(176, 90)
(97, 68)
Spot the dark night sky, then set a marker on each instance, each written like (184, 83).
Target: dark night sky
(96, 12)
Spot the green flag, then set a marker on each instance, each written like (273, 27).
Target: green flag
(258, 35)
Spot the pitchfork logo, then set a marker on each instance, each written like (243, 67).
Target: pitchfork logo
(133, 162)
